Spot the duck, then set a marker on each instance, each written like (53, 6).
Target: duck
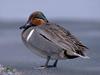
(50, 40)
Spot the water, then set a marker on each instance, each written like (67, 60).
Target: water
(14, 53)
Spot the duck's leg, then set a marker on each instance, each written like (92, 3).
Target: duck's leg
(46, 64)
(55, 63)
(48, 59)
(50, 66)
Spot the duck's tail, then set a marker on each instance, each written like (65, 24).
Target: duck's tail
(86, 57)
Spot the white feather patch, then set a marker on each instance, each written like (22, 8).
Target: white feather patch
(28, 37)
(81, 56)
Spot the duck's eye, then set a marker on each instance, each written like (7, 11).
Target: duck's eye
(37, 21)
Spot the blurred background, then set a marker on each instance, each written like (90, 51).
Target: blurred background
(80, 17)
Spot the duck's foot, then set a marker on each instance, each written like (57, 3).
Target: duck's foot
(49, 66)
(44, 67)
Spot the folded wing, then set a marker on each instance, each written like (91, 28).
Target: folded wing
(63, 38)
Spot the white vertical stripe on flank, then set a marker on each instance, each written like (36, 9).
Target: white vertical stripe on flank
(28, 37)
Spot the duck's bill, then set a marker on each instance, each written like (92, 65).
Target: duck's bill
(25, 26)
(22, 27)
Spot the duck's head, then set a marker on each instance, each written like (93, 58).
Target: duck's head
(35, 19)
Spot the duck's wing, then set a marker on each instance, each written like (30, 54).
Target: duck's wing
(63, 38)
